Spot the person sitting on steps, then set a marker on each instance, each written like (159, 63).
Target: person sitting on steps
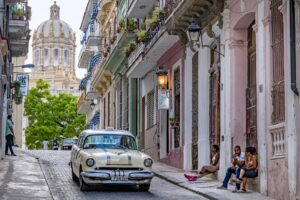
(249, 171)
(238, 162)
(208, 169)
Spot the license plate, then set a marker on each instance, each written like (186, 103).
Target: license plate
(119, 178)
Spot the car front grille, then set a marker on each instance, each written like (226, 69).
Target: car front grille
(119, 168)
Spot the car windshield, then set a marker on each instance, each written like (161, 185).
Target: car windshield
(69, 141)
(111, 141)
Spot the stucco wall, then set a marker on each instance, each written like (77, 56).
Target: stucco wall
(151, 143)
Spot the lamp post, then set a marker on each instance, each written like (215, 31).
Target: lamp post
(162, 78)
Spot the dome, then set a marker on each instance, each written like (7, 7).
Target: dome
(54, 27)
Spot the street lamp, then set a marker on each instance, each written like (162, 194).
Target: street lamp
(195, 33)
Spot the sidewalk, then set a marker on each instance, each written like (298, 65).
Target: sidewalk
(22, 178)
(206, 187)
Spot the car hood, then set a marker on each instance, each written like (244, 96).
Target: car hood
(117, 157)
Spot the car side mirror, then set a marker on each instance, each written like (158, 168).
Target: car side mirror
(86, 146)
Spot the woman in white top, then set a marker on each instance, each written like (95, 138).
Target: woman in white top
(208, 169)
(45, 144)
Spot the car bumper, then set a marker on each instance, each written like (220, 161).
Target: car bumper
(117, 177)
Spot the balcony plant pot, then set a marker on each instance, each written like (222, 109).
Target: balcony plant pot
(15, 16)
(105, 54)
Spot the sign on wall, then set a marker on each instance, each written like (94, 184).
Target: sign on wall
(163, 99)
(24, 83)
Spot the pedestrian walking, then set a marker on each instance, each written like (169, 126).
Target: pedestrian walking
(46, 144)
(55, 144)
(9, 136)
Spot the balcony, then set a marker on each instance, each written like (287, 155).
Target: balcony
(85, 55)
(18, 29)
(83, 105)
(140, 8)
(157, 43)
(117, 54)
(19, 47)
(90, 92)
(92, 37)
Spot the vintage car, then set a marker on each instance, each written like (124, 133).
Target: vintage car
(109, 157)
(67, 143)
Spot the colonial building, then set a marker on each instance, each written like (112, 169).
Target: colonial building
(14, 39)
(53, 47)
(236, 84)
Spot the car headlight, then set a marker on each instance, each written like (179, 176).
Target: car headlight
(148, 162)
(90, 162)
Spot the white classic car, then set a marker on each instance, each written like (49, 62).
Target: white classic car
(109, 157)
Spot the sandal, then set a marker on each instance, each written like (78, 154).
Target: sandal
(190, 178)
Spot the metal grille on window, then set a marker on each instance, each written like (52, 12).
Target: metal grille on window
(177, 106)
(125, 125)
(278, 102)
(150, 109)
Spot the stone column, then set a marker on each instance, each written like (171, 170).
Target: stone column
(290, 114)
(187, 163)
(203, 108)
(261, 93)
(225, 146)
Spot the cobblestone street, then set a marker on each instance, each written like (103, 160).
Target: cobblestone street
(58, 176)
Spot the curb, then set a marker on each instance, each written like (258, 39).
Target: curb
(184, 187)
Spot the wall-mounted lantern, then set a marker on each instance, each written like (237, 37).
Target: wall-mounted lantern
(195, 34)
(162, 78)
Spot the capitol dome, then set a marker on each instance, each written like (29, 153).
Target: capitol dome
(54, 27)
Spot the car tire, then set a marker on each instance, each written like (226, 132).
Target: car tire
(144, 188)
(83, 186)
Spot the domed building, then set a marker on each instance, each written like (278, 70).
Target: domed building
(53, 51)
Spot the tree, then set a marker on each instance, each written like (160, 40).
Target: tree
(50, 116)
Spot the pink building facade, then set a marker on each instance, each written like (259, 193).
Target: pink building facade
(259, 107)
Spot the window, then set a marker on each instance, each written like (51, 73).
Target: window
(66, 57)
(46, 57)
(150, 109)
(37, 57)
(56, 56)
(278, 91)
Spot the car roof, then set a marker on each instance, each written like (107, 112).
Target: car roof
(104, 132)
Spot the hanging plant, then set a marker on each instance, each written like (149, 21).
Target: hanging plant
(18, 96)
(151, 22)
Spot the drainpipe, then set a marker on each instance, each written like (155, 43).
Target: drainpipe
(293, 48)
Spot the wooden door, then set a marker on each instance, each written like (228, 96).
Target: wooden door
(214, 97)
(251, 96)
(195, 112)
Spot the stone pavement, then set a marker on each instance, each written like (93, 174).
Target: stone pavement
(205, 186)
(21, 178)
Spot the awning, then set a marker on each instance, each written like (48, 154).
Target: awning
(83, 82)
(94, 121)
(93, 62)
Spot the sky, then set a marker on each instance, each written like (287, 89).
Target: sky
(71, 11)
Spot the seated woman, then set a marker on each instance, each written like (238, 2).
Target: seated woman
(250, 170)
(208, 169)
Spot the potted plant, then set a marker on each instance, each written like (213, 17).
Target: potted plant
(122, 23)
(141, 35)
(21, 13)
(151, 22)
(131, 24)
(105, 54)
(173, 123)
(108, 48)
(113, 39)
(158, 12)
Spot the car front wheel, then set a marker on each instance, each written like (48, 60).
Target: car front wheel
(83, 186)
(144, 188)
